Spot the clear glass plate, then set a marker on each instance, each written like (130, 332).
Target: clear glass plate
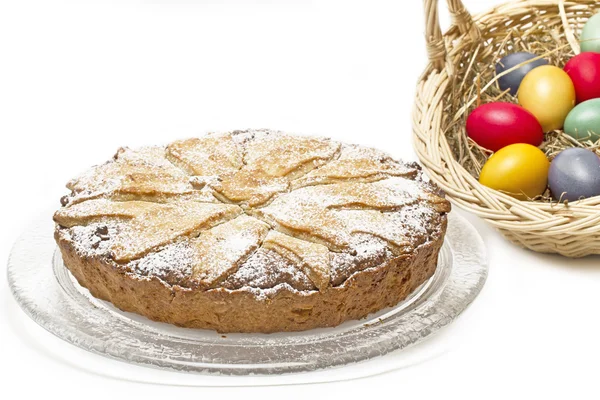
(47, 292)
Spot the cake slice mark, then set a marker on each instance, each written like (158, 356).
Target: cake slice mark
(146, 226)
(356, 164)
(175, 262)
(280, 155)
(128, 179)
(403, 230)
(332, 215)
(368, 251)
(201, 196)
(386, 195)
(312, 225)
(212, 155)
(248, 187)
(312, 258)
(133, 175)
(377, 224)
(171, 263)
(156, 229)
(360, 170)
(220, 251)
(270, 161)
(266, 269)
(95, 210)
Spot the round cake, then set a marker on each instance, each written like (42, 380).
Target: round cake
(252, 231)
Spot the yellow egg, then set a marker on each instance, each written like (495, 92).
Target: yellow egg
(549, 94)
(519, 170)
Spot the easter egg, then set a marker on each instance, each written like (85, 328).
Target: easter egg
(496, 125)
(590, 35)
(574, 174)
(584, 71)
(513, 79)
(548, 93)
(583, 122)
(519, 170)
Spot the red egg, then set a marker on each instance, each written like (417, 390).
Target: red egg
(496, 125)
(584, 71)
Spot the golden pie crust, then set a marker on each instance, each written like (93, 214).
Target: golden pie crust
(252, 231)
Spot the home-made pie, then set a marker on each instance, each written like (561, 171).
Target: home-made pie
(252, 231)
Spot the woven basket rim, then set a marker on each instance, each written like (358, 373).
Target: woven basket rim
(580, 218)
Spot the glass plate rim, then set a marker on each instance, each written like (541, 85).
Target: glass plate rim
(463, 281)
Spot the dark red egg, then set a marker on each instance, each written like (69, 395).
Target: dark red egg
(496, 125)
(584, 71)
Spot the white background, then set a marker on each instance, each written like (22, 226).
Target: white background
(78, 79)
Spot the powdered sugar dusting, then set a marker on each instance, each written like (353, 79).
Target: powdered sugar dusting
(357, 201)
(354, 151)
(268, 270)
(173, 263)
(368, 251)
(151, 155)
(220, 250)
(331, 214)
(139, 174)
(91, 240)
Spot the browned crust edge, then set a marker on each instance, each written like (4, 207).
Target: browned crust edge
(242, 310)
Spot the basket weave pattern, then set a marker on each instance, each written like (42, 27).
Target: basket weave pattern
(572, 230)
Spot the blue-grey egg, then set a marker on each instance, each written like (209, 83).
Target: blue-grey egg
(574, 174)
(513, 79)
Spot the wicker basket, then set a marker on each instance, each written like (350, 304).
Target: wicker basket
(572, 230)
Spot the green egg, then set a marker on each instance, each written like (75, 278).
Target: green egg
(590, 36)
(584, 120)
